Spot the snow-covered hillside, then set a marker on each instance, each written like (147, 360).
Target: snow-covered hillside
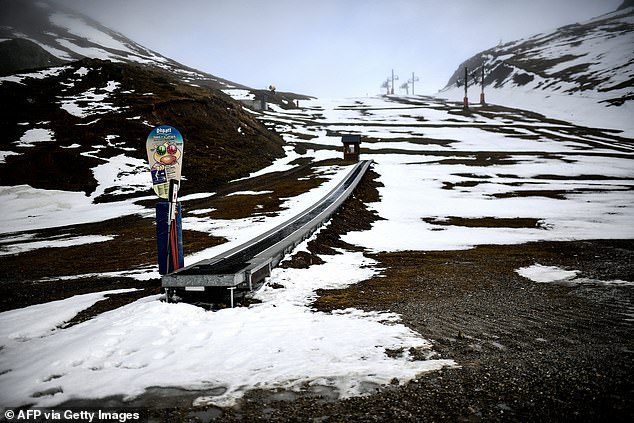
(572, 73)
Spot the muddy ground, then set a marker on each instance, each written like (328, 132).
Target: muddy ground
(525, 351)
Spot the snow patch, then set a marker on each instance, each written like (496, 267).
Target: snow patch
(82, 71)
(29, 208)
(43, 74)
(548, 274)
(90, 103)
(42, 320)
(6, 153)
(249, 193)
(239, 94)
(56, 243)
(35, 135)
(545, 274)
(81, 29)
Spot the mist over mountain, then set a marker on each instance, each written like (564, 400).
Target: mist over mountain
(20, 54)
(626, 4)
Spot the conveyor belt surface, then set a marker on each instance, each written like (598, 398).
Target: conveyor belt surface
(227, 268)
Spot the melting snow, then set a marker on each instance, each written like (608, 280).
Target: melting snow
(82, 71)
(83, 30)
(282, 342)
(540, 273)
(250, 193)
(56, 243)
(239, 94)
(43, 74)
(31, 208)
(279, 343)
(548, 274)
(34, 136)
(90, 103)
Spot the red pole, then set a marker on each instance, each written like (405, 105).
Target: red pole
(174, 247)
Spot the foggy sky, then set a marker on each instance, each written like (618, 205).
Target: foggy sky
(332, 48)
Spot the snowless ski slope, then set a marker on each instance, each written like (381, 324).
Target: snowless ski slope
(436, 164)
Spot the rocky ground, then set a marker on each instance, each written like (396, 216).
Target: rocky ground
(525, 351)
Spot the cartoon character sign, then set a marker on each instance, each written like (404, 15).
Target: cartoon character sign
(165, 156)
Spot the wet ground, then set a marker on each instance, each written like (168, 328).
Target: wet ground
(526, 351)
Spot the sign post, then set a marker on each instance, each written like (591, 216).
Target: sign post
(164, 147)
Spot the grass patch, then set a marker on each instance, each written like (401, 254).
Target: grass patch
(463, 184)
(287, 184)
(486, 222)
(133, 246)
(554, 194)
(480, 159)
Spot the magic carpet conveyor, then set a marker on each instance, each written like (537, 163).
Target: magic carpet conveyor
(249, 263)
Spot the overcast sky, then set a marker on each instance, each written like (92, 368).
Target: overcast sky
(333, 48)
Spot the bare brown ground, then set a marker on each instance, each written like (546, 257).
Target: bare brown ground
(527, 351)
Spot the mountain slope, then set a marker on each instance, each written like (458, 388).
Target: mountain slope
(592, 62)
(18, 54)
(69, 36)
(63, 123)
